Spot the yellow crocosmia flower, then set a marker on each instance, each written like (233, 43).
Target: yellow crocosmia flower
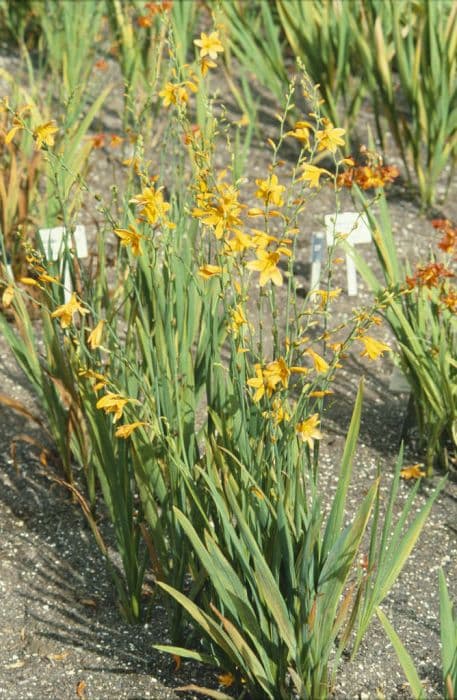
(255, 211)
(44, 277)
(221, 210)
(301, 132)
(94, 338)
(320, 394)
(113, 403)
(238, 243)
(17, 126)
(65, 312)
(30, 282)
(130, 238)
(326, 295)
(312, 174)
(412, 472)
(270, 191)
(279, 413)
(152, 204)
(173, 93)
(7, 296)
(124, 431)
(329, 138)
(228, 679)
(98, 380)
(261, 239)
(320, 365)
(44, 134)
(257, 383)
(277, 372)
(205, 64)
(238, 320)
(209, 45)
(373, 348)
(266, 264)
(208, 271)
(308, 431)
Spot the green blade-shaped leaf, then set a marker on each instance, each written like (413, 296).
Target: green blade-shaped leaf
(404, 658)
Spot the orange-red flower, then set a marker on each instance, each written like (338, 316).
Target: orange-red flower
(429, 276)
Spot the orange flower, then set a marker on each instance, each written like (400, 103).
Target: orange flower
(412, 472)
(98, 141)
(101, 64)
(449, 241)
(429, 275)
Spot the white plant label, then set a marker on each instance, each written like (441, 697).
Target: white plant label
(355, 230)
(54, 241)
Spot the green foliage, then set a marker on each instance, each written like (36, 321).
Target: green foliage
(448, 629)
(401, 55)
(426, 333)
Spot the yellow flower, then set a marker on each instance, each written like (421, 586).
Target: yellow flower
(278, 414)
(152, 204)
(329, 138)
(266, 264)
(326, 295)
(124, 431)
(130, 237)
(209, 45)
(173, 93)
(44, 134)
(7, 296)
(311, 174)
(238, 243)
(373, 348)
(412, 472)
(301, 132)
(226, 679)
(65, 312)
(221, 210)
(205, 64)
(320, 365)
(17, 126)
(208, 271)
(270, 191)
(320, 394)
(238, 319)
(94, 338)
(258, 383)
(113, 403)
(308, 431)
(99, 380)
(277, 372)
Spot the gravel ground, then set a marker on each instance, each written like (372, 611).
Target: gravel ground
(61, 636)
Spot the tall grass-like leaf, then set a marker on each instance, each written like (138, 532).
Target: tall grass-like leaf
(448, 628)
(404, 658)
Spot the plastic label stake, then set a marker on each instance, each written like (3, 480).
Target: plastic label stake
(354, 228)
(54, 242)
